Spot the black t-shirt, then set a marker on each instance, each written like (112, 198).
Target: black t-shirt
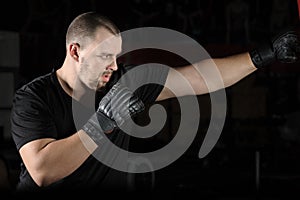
(41, 109)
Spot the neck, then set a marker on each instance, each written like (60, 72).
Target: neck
(74, 88)
(67, 86)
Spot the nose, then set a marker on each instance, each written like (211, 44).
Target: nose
(113, 66)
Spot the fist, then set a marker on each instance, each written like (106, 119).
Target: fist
(286, 47)
(119, 104)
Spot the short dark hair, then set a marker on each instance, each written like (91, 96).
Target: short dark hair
(84, 26)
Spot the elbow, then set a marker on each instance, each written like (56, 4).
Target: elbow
(41, 173)
(42, 178)
(36, 159)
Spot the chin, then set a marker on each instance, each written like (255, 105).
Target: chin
(101, 86)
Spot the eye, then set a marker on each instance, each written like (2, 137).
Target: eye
(105, 56)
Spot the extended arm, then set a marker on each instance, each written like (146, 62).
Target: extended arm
(213, 74)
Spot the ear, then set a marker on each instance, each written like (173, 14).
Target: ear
(73, 49)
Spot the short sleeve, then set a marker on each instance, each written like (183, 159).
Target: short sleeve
(30, 118)
(147, 81)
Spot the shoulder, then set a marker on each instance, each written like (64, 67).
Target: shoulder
(37, 82)
(36, 87)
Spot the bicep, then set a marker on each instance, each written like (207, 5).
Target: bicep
(182, 81)
(31, 149)
(31, 153)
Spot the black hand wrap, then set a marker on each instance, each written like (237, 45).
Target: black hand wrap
(97, 125)
(114, 109)
(284, 47)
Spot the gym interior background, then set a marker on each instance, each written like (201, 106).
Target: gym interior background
(258, 152)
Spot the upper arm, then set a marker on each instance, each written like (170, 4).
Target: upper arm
(33, 158)
(183, 81)
(30, 119)
(30, 151)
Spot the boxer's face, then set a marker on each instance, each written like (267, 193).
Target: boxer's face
(98, 60)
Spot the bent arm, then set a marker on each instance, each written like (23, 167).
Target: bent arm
(207, 76)
(49, 160)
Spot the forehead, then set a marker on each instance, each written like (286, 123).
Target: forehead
(105, 40)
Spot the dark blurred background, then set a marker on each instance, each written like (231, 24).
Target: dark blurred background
(258, 152)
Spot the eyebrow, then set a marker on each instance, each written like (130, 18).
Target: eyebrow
(106, 53)
(110, 54)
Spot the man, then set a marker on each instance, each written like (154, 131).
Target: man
(57, 152)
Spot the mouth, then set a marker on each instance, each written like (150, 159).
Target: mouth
(105, 78)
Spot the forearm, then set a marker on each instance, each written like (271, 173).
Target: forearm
(207, 76)
(234, 68)
(219, 73)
